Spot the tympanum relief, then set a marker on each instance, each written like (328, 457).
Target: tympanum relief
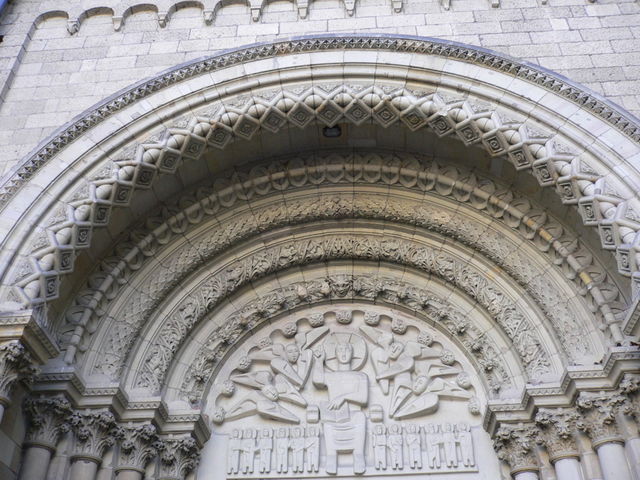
(345, 392)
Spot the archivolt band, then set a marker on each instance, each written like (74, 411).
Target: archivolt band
(158, 249)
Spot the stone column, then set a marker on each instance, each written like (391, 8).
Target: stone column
(515, 445)
(557, 434)
(599, 410)
(136, 446)
(178, 457)
(629, 419)
(47, 420)
(92, 434)
(15, 364)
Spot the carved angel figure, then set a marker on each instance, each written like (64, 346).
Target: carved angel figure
(264, 400)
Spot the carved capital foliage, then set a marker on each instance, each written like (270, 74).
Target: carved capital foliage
(599, 410)
(136, 444)
(515, 444)
(93, 431)
(178, 457)
(15, 364)
(48, 419)
(557, 430)
(630, 387)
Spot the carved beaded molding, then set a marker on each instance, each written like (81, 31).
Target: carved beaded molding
(551, 161)
(406, 171)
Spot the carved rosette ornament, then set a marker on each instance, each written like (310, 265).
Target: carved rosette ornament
(47, 420)
(515, 445)
(93, 433)
(557, 430)
(136, 446)
(15, 364)
(598, 420)
(178, 457)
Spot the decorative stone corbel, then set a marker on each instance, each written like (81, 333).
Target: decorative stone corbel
(163, 17)
(118, 21)
(16, 364)
(255, 13)
(208, 16)
(178, 457)
(136, 446)
(515, 444)
(303, 8)
(446, 4)
(350, 6)
(73, 26)
(397, 5)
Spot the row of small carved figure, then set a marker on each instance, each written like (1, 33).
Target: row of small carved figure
(243, 445)
(448, 446)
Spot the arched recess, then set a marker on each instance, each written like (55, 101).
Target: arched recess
(497, 136)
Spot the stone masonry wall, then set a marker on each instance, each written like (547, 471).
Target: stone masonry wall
(55, 65)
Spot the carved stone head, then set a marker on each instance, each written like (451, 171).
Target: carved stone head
(292, 353)
(420, 384)
(344, 353)
(395, 349)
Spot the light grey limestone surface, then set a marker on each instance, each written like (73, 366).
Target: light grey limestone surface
(48, 75)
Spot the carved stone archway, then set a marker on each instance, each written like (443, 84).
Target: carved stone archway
(144, 282)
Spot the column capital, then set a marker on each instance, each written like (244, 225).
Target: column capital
(16, 364)
(599, 410)
(93, 433)
(178, 457)
(630, 388)
(47, 420)
(137, 445)
(557, 429)
(515, 444)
